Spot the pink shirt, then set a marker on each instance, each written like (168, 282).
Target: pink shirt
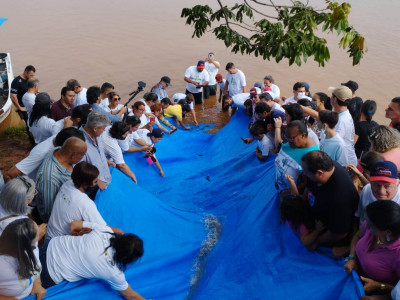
(393, 156)
(300, 230)
(382, 263)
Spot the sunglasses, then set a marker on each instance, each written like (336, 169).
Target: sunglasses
(117, 99)
(27, 184)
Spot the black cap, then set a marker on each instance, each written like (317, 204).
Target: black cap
(43, 98)
(167, 80)
(157, 133)
(351, 85)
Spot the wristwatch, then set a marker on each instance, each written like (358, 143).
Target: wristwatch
(382, 287)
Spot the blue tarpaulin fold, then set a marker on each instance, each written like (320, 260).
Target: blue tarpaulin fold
(211, 227)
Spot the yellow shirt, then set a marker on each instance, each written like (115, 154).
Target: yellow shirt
(174, 111)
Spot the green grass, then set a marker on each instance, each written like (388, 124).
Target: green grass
(16, 132)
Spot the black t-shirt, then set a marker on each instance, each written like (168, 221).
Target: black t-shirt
(19, 86)
(335, 202)
(362, 129)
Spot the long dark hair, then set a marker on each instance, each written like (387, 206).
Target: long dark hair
(128, 248)
(368, 108)
(39, 110)
(325, 99)
(385, 215)
(16, 241)
(295, 209)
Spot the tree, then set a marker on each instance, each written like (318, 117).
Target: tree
(278, 31)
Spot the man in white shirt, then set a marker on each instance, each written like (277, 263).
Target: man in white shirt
(28, 99)
(269, 81)
(235, 80)
(299, 92)
(106, 88)
(80, 92)
(384, 185)
(196, 79)
(211, 67)
(345, 126)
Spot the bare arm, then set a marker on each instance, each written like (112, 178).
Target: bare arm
(310, 111)
(12, 173)
(7, 298)
(14, 100)
(130, 294)
(127, 171)
(157, 163)
(356, 138)
(38, 290)
(244, 89)
(362, 178)
(190, 80)
(194, 117)
(278, 128)
(144, 148)
(140, 142)
(351, 263)
(259, 154)
(226, 87)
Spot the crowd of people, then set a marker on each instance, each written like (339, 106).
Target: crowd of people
(333, 165)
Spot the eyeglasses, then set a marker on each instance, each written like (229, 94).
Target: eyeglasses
(292, 139)
(27, 184)
(117, 99)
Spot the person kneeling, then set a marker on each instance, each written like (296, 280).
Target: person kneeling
(266, 143)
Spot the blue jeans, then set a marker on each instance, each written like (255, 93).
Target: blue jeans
(45, 276)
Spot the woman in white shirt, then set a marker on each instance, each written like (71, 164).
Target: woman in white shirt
(105, 254)
(40, 124)
(19, 261)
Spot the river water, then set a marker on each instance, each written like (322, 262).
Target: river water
(123, 42)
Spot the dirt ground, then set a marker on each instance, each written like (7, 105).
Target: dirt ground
(13, 148)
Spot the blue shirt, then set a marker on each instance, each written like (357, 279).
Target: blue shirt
(113, 118)
(95, 156)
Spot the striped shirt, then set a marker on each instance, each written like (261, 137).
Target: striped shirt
(50, 178)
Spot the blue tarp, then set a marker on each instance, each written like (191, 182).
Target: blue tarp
(2, 20)
(211, 227)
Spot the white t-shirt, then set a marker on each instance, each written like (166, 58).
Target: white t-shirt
(277, 106)
(179, 96)
(236, 82)
(199, 77)
(142, 133)
(3, 224)
(367, 197)
(222, 85)
(335, 148)
(239, 99)
(30, 164)
(80, 98)
(212, 71)
(104, 103)
(28, 99)
(275, 90)
(125, 144)
(42, 129)
(266, 144)
(312, 135)
(112, 150)
(292, 100)
(119, 107)
(73, 258)
(10, 283)
(71, 205)
(345, 128)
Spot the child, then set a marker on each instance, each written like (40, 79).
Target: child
(156, 109)
(221, 82)
(176, 112)
(265, 145)
(331, 142)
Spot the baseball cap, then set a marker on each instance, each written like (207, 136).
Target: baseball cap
(43, 98)
(200, 64)
(167, 80)
(351, 85)
(343, 93)
(218, 77)
(384, 170)
(255, 91)
(157, 133)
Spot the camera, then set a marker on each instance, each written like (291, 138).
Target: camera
(210, 56)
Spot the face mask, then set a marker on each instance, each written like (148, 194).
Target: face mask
(301, 95)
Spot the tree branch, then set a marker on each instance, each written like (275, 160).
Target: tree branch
(257, 11)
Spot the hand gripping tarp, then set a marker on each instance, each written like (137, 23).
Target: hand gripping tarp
(211, 227)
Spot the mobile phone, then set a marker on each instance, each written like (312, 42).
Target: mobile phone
(242, 139)
(152, 119)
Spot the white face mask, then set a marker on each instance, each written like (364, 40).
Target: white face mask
(301, 95)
